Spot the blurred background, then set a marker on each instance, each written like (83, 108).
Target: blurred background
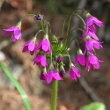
(93, 86)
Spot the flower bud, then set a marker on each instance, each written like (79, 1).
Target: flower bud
(38, 17)
(61, 38)
(54, 39)
(62, 73)
(59, 59)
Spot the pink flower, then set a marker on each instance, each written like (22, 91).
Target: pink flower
(31, 46)
(16, 33)
(40, 59)
(91, 33)
(45, 45)
(81, 59)
(93, 20)
(52, 75)
(74, 73)
(92, 60)
(91, 44)
(90, 27)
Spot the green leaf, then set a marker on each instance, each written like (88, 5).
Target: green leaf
(17, 85)
(94, 106)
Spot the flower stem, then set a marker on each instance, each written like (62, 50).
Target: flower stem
(54, 95)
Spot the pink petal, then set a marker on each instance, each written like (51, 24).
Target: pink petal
(45, 45)
(92, 28)
(97, 45)
(17, 33)
(82, 59)
(49, 77)
(43, 61)
(101, 61)
(37, 59)
(31, 46)
(89, 21)
(49, 49)
(13, 38)
(56, 75)
(40, 45)
(96, 66)
(76, 72)
(93, 59)
(25, 47)
(93, 35)
(73, 76)
(89, 46)
(88, 65)
(97, 22)
(10, 29)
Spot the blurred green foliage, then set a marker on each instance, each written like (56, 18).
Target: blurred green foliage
(94, 106)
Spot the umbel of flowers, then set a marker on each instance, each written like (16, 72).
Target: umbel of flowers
(55, 49)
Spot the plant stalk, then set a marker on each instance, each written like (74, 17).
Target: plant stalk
(54, 95)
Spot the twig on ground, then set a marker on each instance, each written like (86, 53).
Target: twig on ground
(89, 90)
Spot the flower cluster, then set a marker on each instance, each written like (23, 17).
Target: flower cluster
(91, 43)
(55, 49)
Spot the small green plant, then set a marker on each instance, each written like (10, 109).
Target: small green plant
(94, 106)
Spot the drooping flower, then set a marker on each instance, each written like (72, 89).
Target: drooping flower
(91, 44)
(92, 60)
(93, 20)
(90, 33)
(90, 27)
(38, 17)
(45, 45)
(30, 46)
(15, 31)
(40, 59)
(74, 73)
(52, 75)
(81, 59)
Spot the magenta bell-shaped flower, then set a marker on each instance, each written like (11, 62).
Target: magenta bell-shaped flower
(91, 44)
(40, 59)
(93, 20)
(90, 27)
(30, 46)
(45, 45)
(92, 60)
(16, 33)
(74, 73)
(52, 75)
(81, 59)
